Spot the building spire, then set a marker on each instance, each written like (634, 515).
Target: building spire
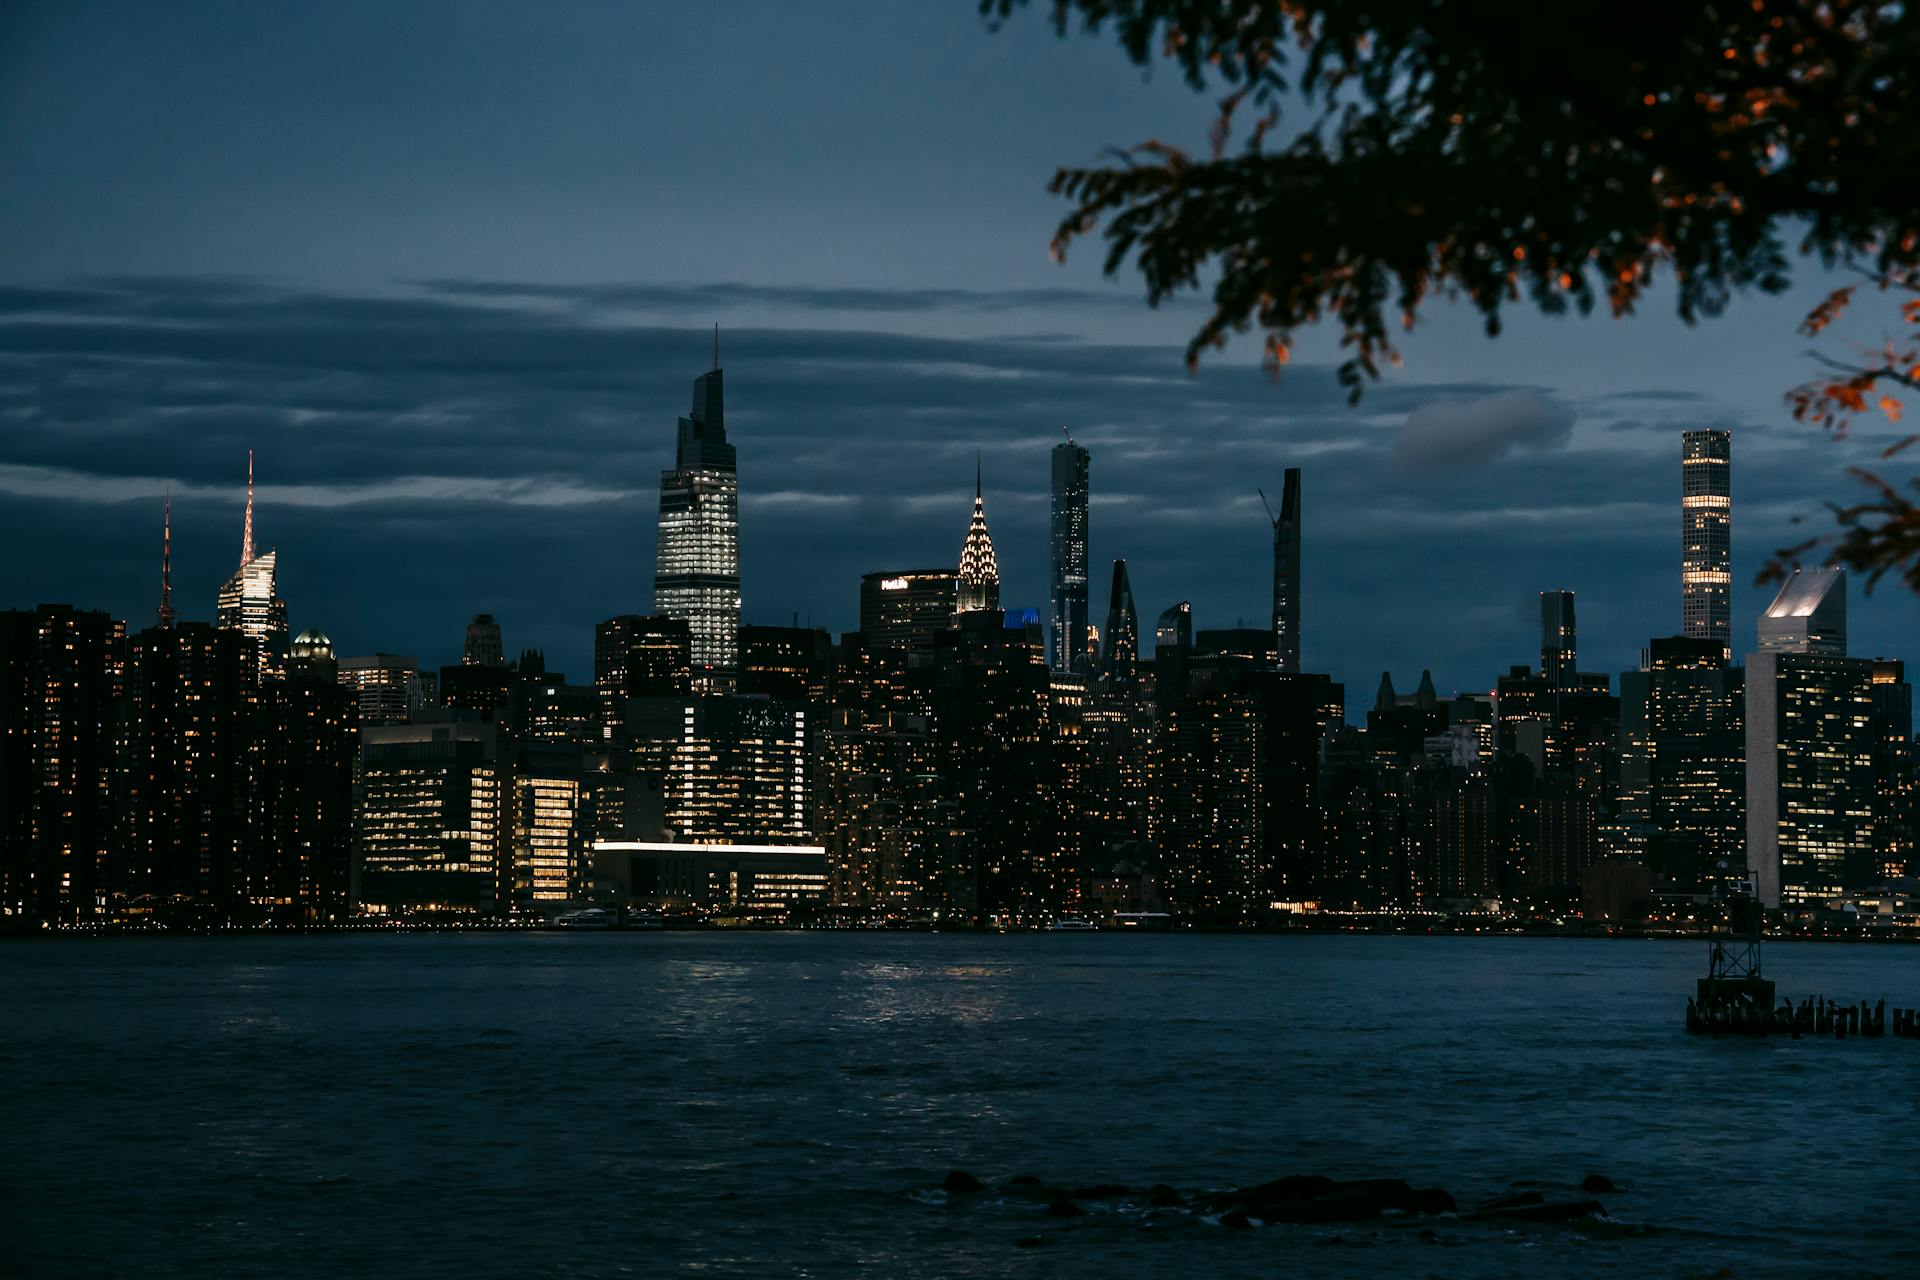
(976, 475)
(246, 536)
(164, 618)
(716, 344)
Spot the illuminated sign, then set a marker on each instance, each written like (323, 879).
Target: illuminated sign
(893, 584)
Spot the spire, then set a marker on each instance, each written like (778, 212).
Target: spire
(246, 536)
(1386, 699)
(979, 571)
(716, 344)
(164, 618)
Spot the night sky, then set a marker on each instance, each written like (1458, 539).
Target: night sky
(450, 270)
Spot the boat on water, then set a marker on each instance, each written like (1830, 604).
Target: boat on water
(587, 918)
(1070, 924)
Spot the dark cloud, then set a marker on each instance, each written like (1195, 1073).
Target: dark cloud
(1454, 433)
(426, 456)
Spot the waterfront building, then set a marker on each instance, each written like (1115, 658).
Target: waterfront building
(905, 608)
(736, 767)
(483, 647)
(1067, 592)
(61, 671)
(696, 575)
(189, 737)
(979, 583)
(249, 601)
(1286, 573)
(1683, 760)
(1120, 641)
(299, 868)
(726, 878)
(1706, 522)
(387, 688)
(435, 818)
(1893, 771)
(552, 829)
(1810, 748)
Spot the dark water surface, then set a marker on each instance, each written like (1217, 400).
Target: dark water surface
(623, 1104)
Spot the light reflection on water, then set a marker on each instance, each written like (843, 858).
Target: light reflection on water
(764, 1104)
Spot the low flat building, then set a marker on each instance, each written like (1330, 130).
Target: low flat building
(757, 878)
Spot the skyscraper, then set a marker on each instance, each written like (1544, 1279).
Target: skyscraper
(250, 602)
(905, 608)
(1558, 655)
(979, 571)
(1286, 573)
(1706, 519)
(1068, 583)
(483, 647)
(696, 572)
(1120, 643)
(1683, 759)
(1810, 748)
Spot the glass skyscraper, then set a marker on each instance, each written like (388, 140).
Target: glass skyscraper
(696, 571)
(1706, 521)
(1068, 583)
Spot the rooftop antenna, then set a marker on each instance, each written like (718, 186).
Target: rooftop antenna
(165, 617)
(246, 536)
(1068, 434)
(716, 344)
(976, 473)
(1271, 518)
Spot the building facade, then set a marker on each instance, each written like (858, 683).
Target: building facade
(1706, 540)
(1286, 573)
(1067, 584)
(696, 574)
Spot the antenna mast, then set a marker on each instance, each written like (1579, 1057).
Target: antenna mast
(165, 617)
(1271, 518)
(246, 536)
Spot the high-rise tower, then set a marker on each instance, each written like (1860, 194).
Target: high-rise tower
(1558, 653)
(1286, 573)
(250, 601)
(1069, 577)
(979, 571)
(1120, 645)
(163, 618)
(1706, 520)
(696, 571)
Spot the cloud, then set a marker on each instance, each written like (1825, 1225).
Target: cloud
(1455, 434)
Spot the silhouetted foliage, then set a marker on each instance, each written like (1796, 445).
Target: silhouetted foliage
(1499, 150)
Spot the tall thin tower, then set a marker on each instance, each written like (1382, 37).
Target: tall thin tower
(696, 568)
(1706, 538)
(979, 569)
(1069, 577)
(164, 618)
(1286, 572)
(250, 602)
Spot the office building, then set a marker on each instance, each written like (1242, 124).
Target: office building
(386, 688)
(1893, 771)
(904, 608)
(1067, 587)
(299, 868)
(1810, 748)
(696, 574)
(1286, 573)
(250, 602)
(1706, 547)
(737, 768)
(436, 822)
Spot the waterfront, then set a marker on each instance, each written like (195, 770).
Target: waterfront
(788, 1104)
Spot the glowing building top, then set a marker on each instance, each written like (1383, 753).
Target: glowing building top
(979, 571)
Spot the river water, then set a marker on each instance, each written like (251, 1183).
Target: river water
(787, 1104)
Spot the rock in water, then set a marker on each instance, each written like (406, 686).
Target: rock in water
(1235, 1219)
(1162, 1196)
(1102, 1191)
(1598, 1182)
(961, 1180)
(1024, 1180)
(1518, 1200)
(1062, 1206)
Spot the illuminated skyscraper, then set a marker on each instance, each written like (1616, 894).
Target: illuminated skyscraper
(1120, 645)
(1069, 578)
(979, 571)
(1286, 573)
(483, 647)
(250, 602)
(1706, 519)
(905, 608)
(1810, 748)
(696, 572)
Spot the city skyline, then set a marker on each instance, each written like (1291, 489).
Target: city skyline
(479, 373)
